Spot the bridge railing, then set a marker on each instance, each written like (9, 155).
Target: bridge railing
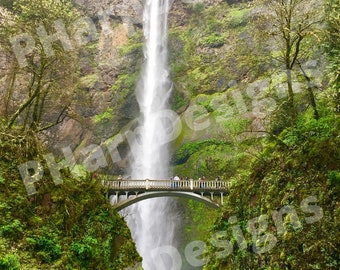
(165, 184)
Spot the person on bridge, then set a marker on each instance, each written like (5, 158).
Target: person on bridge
(119, 179)
(218, 182)
(203, 180)
(200, 182)
(176, 178)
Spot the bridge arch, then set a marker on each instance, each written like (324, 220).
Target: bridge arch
(156, 194)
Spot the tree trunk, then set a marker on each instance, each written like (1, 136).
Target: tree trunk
(310, 87)
(291, 102)
(10, 91)
(22, 108)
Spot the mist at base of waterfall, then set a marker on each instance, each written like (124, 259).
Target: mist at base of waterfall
(155, 229)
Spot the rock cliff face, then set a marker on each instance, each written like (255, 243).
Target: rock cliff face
(118, 21)
(103, 90)
(207, 39)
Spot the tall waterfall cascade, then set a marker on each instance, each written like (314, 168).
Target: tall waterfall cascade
(153, 222)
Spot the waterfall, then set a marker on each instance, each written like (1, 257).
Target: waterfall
(153, 222)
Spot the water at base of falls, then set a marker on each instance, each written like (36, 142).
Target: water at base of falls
(153, 230)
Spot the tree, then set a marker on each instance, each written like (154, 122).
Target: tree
(332, 40)
(7, 3)
(291, 24)
(43, 60)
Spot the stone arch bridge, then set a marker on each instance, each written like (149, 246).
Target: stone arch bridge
(128, 192)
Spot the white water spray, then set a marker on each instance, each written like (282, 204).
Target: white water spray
(150, 153)
(153, 222)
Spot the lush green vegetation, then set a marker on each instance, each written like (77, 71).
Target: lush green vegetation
(333, 48)
(199, 61)
(211, 158)
(273, 160)
(69, 226)
(296, 152)
(48, 69)
(303, 160)
(298, 159)
(66, 226)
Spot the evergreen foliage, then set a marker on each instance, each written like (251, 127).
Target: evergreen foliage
(332, 38)
(299, 157)
(70, 226)
(306, 163)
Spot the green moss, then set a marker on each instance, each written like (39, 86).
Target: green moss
(105, 116)
(179, 101)
(238, 17)
(209, 158)
(71, 225)
(124, 84)
(204, 100)
(214, 40)
(134, 47)
(88, 81)
(188, 149)
(200, 63)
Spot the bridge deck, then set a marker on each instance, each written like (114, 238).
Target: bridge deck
(166, 185)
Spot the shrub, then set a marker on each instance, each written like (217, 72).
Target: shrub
(10, 262)
(12, 229)
(46, 247)
(214, 40)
